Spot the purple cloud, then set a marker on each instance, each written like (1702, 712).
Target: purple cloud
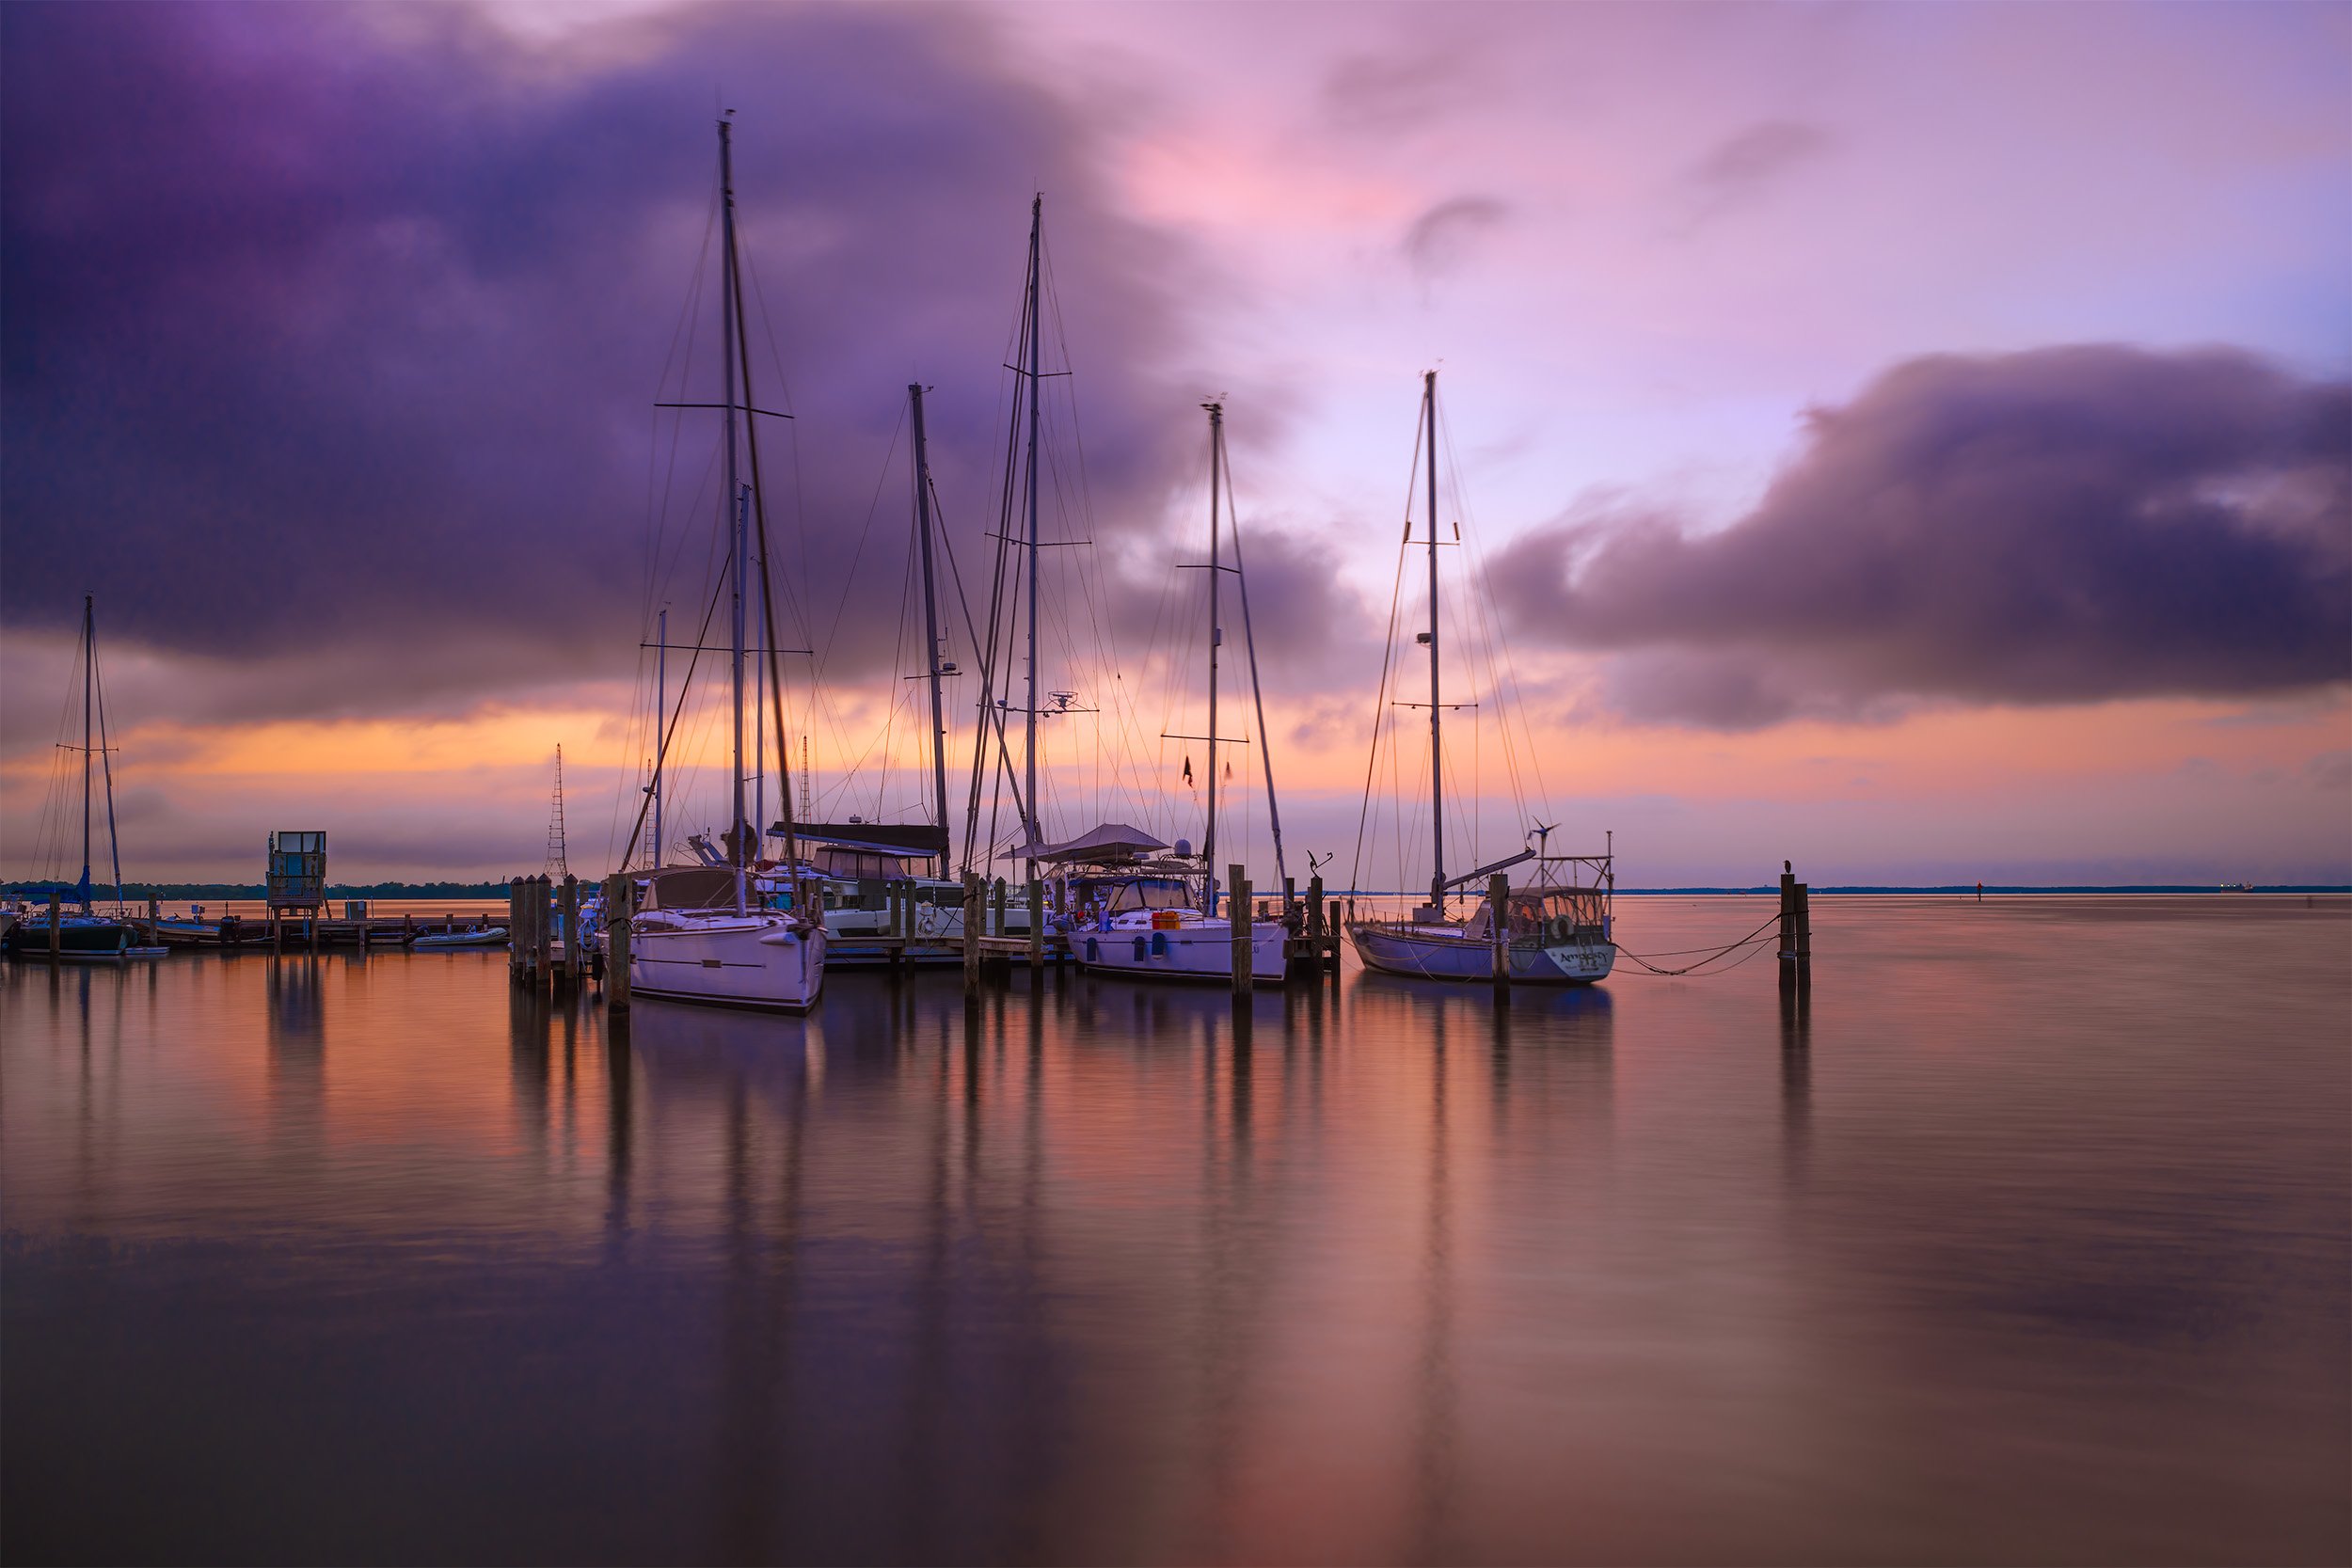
(2065, 525)
(1440, 239)
(332, 337)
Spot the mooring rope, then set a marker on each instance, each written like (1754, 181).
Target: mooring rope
(1713, 954)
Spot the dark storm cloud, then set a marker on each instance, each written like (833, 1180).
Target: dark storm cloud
(332, 333)
(2066, 525)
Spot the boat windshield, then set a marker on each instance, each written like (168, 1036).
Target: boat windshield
(1141, 892)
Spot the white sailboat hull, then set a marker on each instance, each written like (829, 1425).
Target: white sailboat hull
(728, 960)
(1446, 952)
(1202, 950)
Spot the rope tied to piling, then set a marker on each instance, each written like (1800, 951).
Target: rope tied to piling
(1755, 938)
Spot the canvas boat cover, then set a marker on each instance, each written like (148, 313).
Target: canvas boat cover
(888, 838)
(1112, 840)
(689, 887)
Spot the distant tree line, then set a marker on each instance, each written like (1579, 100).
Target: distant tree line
(181, 893)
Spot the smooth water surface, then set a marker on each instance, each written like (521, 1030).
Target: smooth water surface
(2030, 1242)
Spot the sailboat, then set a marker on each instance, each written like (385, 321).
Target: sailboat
(1159, 917)
(88, 934)
(1556, 931)
(710, 934)
(1013, 595)
(857, 862)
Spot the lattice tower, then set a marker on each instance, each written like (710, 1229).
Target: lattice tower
(557, 866)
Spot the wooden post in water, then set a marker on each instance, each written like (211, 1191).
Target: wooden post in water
(974, 914)
(1498, 908)
(996, 909)
(542, 929)
(1788, 928)
(617, 890)
(1037, 925)
(1238, 916)
(408, 929)
(1805, 938)
(575, 963)
(1290, 899)
(57, 928)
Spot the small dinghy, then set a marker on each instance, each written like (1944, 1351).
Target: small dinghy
(472, 936)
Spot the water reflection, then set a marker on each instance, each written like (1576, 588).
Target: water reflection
(1087, 1269)
(296, 1017)
(1796, 1078)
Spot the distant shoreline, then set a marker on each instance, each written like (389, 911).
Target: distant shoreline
(182, 892)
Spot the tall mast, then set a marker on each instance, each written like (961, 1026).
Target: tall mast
(759, 741)
(107, 770)
(727, 326)
(759, 507)
(743, 521)
(1216, 474)
(90, 674)
(1249, 643)
(1437, 753)
(1028, 795)
(660, 717)
(930, 621)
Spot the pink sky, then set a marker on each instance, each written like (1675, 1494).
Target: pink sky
(1641, 242)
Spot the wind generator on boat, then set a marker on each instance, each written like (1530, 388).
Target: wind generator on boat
(1556, 931)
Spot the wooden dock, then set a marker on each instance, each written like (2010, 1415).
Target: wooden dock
(298, 934)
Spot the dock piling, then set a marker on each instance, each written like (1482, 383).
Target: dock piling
(1238, 916)
(1805, 938)
(573, 968)
(57, 929)
(973, 914)
(1796, 931)
(1499, 908)
(617, 892)
(1037, 925)
(996, 909)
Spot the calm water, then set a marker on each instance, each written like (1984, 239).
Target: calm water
(2031, 1243)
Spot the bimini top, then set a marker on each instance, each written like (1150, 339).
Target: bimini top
(688, 887)
(1112, 840)
(888, 838)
